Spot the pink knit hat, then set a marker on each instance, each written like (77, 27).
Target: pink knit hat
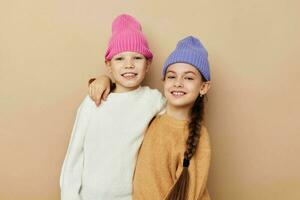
(127, 35)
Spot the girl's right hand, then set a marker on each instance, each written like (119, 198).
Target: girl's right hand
(99, 89)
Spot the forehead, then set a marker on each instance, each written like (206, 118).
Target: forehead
(182, 68)
(128, 53)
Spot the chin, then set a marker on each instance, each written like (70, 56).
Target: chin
(131, 85)
(178, 102)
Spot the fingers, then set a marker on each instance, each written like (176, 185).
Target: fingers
(98, 96)
(92, 92)
(105, 94)
(99, 90)
(98, 93)
(101, 95)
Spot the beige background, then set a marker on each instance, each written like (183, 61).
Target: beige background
(49, 49)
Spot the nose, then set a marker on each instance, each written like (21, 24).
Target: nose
(178, 82)
(129, 64)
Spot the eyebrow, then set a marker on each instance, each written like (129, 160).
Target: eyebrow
(170, 71)
(184, 72)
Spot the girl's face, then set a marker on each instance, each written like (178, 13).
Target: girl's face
(128, 69)
(183, 84)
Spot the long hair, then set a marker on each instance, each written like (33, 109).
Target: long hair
(180, 189)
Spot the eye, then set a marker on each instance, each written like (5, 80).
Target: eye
(119, 58)
(170, 77)
(189, 78)
(138, 58)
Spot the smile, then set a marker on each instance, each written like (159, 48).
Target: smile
(129, 75)
(178, 93)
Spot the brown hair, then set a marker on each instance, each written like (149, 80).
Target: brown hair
(179, 191)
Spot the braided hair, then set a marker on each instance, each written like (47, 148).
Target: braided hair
(179, 191)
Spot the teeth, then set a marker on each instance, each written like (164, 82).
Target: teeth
(178, 93)
(129, 75)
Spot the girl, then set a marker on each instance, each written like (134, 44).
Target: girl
(101, 156)
(174, 158)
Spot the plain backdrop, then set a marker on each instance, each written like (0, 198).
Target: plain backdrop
(49, 50)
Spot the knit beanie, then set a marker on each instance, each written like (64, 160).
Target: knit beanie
(189, 50)
(127, 35)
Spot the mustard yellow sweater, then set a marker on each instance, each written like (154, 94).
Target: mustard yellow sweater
(159, 163)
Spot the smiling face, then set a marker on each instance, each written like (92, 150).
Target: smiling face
(128, 69)
(183, 83)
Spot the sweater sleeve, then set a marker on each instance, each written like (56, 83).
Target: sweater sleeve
(160, 102)
(70, 179)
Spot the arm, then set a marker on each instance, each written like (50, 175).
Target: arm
(70, 179)
(99, 88)
(159, 102)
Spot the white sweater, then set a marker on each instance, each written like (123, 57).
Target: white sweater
(101, 156)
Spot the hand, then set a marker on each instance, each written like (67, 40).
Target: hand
(99, 89)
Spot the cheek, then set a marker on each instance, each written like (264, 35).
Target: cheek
(166, 94)
(194, 88)
(115, 68)
(166, 87)
(113, 71)
(167, 84)
(144, 70)
(143, 67)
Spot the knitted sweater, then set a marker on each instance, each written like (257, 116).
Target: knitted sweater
(160, 161)
(101, 156)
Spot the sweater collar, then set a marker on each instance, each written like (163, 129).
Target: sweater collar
(122, 94)
(173, 121)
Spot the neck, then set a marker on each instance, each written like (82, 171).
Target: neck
(180, 113)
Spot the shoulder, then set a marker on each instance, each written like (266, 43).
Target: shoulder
(156, 125)
(154, 96)
(165, 129)
(161, 134)
(87, 101)
(87, 104)
(151, 92)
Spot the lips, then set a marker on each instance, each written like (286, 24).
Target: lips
(129, 75)
(178, 93)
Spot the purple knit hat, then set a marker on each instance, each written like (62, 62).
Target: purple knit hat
(127, 35)
(189, 50)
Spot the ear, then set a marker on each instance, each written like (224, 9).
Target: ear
(148, 64)
(108, 65)
(204, 87)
